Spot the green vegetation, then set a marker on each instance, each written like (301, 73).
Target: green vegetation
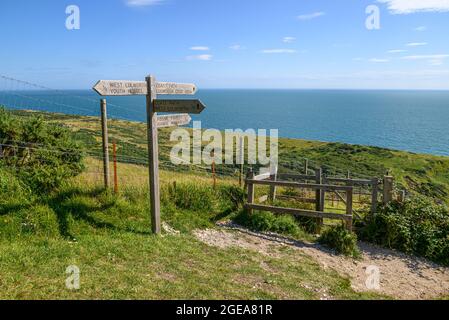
(340, 239)
(426, 175)
(61, 216)
(267, 221)
(43, 154)
(416, 226)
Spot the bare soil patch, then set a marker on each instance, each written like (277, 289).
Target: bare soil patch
(401, 276)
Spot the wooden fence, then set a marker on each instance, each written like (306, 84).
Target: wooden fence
(342, 188)
(270, 180)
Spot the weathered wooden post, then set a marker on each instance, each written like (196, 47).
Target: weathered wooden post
(214, 175)
(388, 189)
(319, 197)
(349, 196)
(402, 196)
(250, 186)
(374, 195)
(273, 177)
(114, 156)
(306, 166)
(242, 159)
(153, 155)
(104, 131)
(150, 89)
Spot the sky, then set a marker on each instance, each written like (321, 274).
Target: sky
(229, 43)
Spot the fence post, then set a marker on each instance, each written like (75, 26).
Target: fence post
(242, 159)
(114, 152)
(349, 196)
(319, 193)
(104, 131)
(402, 196)
(273, 177)
(374, 195)
(388, 189)
(306, 166)
(250, 185)
(214, 176)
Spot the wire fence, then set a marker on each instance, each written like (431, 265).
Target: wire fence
(17, 94)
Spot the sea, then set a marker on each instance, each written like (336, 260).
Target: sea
(415, 121)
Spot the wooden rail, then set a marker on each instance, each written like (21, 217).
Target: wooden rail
(251, 181)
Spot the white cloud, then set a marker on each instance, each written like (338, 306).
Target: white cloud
(143, 3)
(433, 59)
(201, 57)
(377, 60)
(397, 51)
(421, 28)
(278, 51)
(311, 16)
(413, 6)
(289, 39)
(236, 47)
(416, 44)
(427, 57)
(199, 48)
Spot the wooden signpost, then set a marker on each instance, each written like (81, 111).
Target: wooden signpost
(183, 106)
(132, 88)
(151, 88)
(175, 120)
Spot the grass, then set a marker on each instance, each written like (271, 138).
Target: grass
(108, 236)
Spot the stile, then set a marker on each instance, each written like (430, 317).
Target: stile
(250, 185)
(374, 195)
(319, 196)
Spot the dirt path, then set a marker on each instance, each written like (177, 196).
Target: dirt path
(401, 276)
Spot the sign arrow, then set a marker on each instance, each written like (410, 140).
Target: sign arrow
(120, 88)
(174, 120)
(130, 88)
(175, 88)
(181, 106)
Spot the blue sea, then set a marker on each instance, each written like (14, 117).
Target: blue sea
(415, 121)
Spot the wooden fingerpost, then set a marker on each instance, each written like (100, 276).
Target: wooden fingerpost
(114, 156)
(388, 189)
(319, 194)
(153, 156)
(374, 195)
(104, 131)
(250, 185)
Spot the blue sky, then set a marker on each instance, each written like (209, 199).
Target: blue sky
(229, 43)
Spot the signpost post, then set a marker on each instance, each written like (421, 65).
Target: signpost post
(151, 88)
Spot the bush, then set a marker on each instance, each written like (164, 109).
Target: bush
(44, 154)
(266, 221)
(340, 239)
(416, 226)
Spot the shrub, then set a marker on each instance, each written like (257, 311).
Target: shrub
(44, 154)
(266, 221)
(416, 226)
(340, 239)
